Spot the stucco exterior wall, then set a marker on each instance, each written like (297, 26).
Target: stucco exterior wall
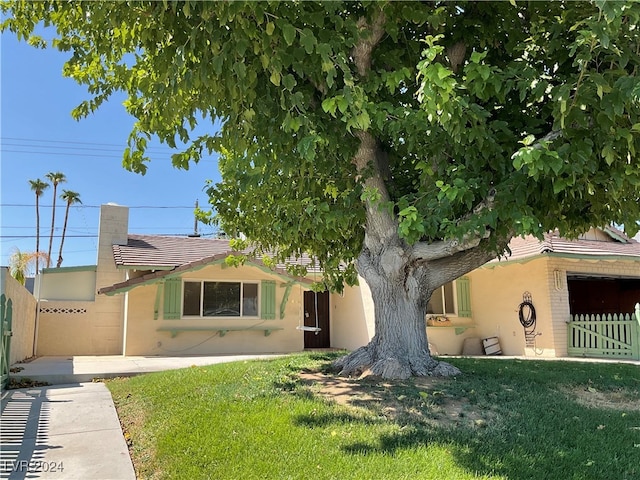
(143, 336)
(352, 317)
(497, 292)
(23, 317)
(448, 341)
(73, 283)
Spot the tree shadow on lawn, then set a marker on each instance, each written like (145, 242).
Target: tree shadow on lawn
(522, 432)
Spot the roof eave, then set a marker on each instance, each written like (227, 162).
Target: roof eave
(569, 256)
(145, 267)
(161, 275)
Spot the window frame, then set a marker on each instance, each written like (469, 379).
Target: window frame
(242, 284)
(454, 297)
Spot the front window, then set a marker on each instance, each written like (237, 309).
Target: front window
(442, 302)
(220, 299)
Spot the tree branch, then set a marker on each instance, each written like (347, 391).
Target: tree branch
(548, 138)
(381, 225)
(486, 204)
(427, 252)
(464, 262)
(363, 49)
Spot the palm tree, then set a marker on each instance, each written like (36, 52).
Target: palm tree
(38, 187)
(71, 198)
(20, 263)
(55, 178)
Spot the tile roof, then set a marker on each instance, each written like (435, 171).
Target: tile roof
(529, 246)
(164, 252)
(172, 255)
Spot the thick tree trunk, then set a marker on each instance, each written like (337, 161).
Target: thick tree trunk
(399, 348)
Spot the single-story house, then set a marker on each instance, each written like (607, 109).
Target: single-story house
(167, 295)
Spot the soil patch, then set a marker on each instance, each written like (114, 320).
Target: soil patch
(423, 401)
(620, 399)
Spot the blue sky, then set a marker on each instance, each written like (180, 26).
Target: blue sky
(38, 135)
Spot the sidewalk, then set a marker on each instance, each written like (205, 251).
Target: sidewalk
(70, 430)
(63, 432)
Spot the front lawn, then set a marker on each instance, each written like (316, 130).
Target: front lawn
(290, 419)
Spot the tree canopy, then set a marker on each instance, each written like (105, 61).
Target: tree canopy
(517, 117)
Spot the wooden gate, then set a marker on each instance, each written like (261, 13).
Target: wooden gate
(607, 336)
(5, 338)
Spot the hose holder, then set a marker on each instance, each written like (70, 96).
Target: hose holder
(527, 317)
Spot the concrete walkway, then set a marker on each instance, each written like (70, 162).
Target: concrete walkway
(60, 370)
(63, 432)
(71, 430)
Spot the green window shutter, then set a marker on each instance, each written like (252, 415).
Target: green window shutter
(268, 300)
(464, 297)
(172, 298)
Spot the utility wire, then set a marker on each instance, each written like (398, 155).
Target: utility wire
(77, 146)
(73, 143)
(32, 205)
(96, 235)
(66, 154)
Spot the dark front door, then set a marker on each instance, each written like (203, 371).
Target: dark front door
(316, 313)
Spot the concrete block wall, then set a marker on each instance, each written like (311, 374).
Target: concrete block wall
(23, 317)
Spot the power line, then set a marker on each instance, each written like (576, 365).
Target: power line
(69, 142)
(32, 205)
(47, 236)
(71, 145)
(7, 227)
(113, 149)
(62, 154)
(59, 141)
(96, 235)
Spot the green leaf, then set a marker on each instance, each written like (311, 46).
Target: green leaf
(308, 40)
(329, 105)
(270, 28)
(559, 185)
(288, 81)
(275, 78)
(528, 140)
(288, 33)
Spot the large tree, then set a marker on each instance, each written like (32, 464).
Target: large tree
(55, 178)
(405, 142)
(70, 198)
(38, 187)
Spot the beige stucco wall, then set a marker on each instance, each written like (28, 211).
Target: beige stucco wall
(75, 283)
(352, 317)
(23, 317)
(144, 338)
(497, 292)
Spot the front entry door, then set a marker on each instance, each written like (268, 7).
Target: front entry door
(316, 303)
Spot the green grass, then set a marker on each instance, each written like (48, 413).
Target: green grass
(502, 419)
